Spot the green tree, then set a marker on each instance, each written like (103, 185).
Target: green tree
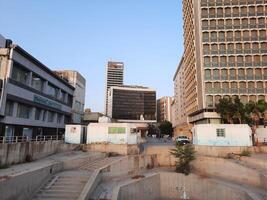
(255, 111)
(166, 128)
(231, 111)
(184, 154)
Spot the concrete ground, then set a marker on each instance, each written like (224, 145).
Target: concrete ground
(50, 160)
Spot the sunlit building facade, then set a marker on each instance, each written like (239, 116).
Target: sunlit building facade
(225, 54)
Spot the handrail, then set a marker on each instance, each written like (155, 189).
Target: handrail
(17, 139)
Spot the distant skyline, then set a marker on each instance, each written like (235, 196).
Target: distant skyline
(84, 35)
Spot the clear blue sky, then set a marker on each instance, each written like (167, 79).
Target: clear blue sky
(84, 34)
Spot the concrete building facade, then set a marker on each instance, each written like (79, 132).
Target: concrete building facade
(225, 54)
(132, 104)
(164, 109)
(114, 77)
(79, 83)
(33, 99)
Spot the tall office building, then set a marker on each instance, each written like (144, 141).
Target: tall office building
(225, 55)
(114, 77)
(132, 104)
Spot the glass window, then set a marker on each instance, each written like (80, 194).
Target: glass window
(19, 74)
(38, 113)
(51, 116)
(59, 118)
(23, 111)
(37, 82)
(9, 108)
(44, 115)
(52, 91)
(220, 132)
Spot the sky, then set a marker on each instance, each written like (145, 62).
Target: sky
(82, 35)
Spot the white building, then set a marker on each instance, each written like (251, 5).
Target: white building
(115, 133)
(222, 135)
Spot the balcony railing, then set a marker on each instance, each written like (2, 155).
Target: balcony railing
(17, 139)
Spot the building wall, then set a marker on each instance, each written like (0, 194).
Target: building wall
(164, 109)
(132, 103)
(79, 83)
(27, 105)
(100, 133)
(234, 135)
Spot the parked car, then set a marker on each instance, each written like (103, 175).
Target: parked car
(182, 139)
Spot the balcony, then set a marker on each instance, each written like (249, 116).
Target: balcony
(261, 26)
(214, 52)
(216, 78)
(240, 64)
(253, 26)
(231, 64)
(247, 51)
(250, 77)
(223, 64)
(215, 65)
(224, 78)
(207, 64)
(222, 51)
(243, 90)
(248, 64)
(258, 77)
(260, 90)
(239, 51)
(241, 78)
(233, 90)
(251, 90)
(262, 37)
(265, 77)
(225, 90)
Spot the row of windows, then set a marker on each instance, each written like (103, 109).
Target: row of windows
(231, 2)
(252, 23)
(233, 74)
(236, 37)
(212, 100)
(243, 11)
(25, 112)
(25, 77)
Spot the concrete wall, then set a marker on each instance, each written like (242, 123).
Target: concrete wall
(142, 189)
(23, 186)
(74, 133)
(163, 154)
(122, 149)
(131, 165)
(235, 135)
(169, 186)
(16, 152)
(228, 169)
(221, 151)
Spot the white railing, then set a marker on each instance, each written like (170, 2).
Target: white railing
(17, 139)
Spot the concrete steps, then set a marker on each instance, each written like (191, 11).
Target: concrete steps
(65, 185)
(91, 166)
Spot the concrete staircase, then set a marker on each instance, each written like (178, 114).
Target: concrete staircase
(69, 184)
(91, 166)
(64, 185)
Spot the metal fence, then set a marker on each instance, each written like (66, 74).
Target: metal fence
(17, 139)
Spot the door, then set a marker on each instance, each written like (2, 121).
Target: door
(9, 133)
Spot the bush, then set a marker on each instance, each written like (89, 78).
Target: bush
(184, 154)
(245, 153)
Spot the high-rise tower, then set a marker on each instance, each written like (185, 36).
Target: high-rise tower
(114, 77)
(225, 54)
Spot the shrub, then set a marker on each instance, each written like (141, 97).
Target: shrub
(184, 154)
(245, 153)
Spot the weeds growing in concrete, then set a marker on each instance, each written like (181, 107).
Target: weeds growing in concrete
(245, 153)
